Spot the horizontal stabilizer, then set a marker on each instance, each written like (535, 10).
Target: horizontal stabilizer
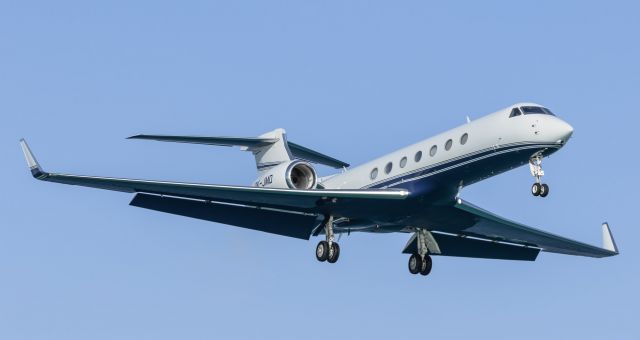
(312, 156)
(251, 144)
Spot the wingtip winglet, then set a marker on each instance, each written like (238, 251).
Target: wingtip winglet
(608, 242)
(33, 164)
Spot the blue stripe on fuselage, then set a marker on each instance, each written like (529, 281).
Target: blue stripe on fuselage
(473, 167)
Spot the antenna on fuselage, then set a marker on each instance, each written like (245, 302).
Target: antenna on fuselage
(468, 120)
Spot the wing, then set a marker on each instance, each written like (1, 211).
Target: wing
(312, 202)
(484, 225)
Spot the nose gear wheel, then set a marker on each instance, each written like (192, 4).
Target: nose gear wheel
(535, 166)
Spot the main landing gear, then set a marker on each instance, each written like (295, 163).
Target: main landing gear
(328, 250)
(538, 188)
(420, 264)
(420, 261)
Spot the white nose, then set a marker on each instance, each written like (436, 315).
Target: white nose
(562, 131)
(567, 131)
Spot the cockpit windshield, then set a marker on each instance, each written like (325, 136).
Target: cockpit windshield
(531, 110)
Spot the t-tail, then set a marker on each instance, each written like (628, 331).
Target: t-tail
(279, 162)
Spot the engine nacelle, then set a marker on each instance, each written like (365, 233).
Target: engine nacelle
(292, 175)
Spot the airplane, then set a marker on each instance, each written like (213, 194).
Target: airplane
(414, 190)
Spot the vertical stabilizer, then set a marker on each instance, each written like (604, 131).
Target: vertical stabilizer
(275, 153)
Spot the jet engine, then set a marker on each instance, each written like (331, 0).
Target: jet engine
(291, 175)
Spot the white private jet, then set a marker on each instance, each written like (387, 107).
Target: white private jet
(413, 190)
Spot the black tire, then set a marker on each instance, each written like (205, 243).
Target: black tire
(334, 253)
(544, 190)
(322, 251)
(415, 264)
(427, 263)
(535, 189)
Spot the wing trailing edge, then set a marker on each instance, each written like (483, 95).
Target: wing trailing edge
(458, 246)
(273, 221)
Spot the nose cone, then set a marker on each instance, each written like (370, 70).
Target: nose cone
(567, 131)
(562, 131)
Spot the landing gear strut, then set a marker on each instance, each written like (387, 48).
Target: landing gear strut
(420, 262)
(538, 188)
(328, 250)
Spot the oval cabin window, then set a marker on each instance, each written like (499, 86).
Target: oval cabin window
(448, 144)
(374, 173)
(418, 156)
(464, 139)
(388, 167)
(433, 151)
(403, 162)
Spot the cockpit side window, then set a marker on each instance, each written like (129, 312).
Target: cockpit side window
(548, 111)
(530, 110)
(515, 112)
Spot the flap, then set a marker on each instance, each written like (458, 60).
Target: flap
(267, 220)
(453, 245)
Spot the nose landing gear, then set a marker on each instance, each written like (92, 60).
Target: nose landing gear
(538, 188)
(541, 190)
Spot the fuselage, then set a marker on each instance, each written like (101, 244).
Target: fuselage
(464, 155)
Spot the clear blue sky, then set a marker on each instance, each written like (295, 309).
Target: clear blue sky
(355, 79)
